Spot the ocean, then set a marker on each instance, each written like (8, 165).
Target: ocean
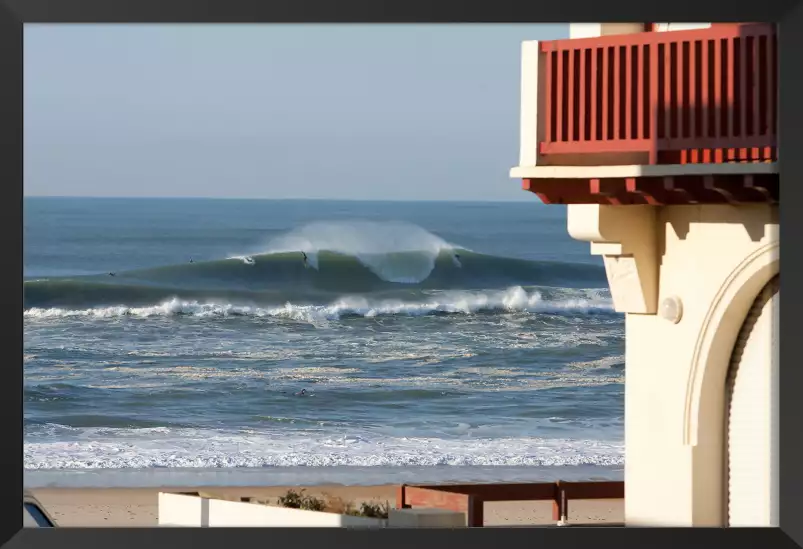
(258, 342)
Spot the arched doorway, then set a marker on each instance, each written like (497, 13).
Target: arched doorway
(752, 390)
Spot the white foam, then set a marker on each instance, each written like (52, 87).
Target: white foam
(515, 299)
(375, 244)
(161, 447)
(606, 363)
(490, 378)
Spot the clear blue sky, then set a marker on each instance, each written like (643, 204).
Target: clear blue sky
(394, 112)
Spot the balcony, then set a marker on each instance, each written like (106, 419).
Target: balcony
(678, 117)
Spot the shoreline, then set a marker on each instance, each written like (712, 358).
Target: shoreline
(138, 507)
(267, 477)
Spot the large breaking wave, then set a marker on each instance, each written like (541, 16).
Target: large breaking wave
(389, 260)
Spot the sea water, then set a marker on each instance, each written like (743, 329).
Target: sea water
(168, 341)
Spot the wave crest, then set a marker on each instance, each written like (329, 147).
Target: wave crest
(342, 259)
(515, 299)
(394, 251)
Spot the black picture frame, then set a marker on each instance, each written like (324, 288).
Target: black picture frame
(15, 14)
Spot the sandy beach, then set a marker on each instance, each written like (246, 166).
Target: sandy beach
(116, 507)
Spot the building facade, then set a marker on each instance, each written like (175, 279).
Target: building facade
(661, 139)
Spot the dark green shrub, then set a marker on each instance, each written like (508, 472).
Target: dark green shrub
(375, 510)
(298, 500)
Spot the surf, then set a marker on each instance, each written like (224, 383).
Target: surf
(394, 251)
(315, 263)
(451, 302)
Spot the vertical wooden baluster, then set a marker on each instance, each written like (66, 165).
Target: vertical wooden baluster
(772, 83)
(571, 94)
(616, 92)
(559, 97)
(731, 94)
(718, 106)
(641, 76)
(628, 103)
(680, 90)
(594, 94)
(743, 103)
(581, 105)
(606, 84)
(667, 90)
(770, 91)
(694, 105)
(743, 77)
(704, 97)
(549, 98)
(754, 70)
(653, 105)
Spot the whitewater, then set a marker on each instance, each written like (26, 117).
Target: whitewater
(428, 341)
(511, 300)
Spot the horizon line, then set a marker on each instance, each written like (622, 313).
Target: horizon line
(279, 199)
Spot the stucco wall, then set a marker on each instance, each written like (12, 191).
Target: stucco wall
(716, 259)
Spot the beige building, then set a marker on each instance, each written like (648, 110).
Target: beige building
(661, 139)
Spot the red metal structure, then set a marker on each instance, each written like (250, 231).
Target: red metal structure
(702, 97)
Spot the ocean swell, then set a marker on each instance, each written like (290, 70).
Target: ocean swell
(316, 263)
(275, 279)
(393, 251)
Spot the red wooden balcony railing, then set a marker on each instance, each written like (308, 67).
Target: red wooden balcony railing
(698, 96)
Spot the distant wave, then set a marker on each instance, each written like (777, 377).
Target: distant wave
(446, 302)
(342, 259)
(393, 251)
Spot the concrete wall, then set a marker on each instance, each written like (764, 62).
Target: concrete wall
(714, 260)
(194, 511)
